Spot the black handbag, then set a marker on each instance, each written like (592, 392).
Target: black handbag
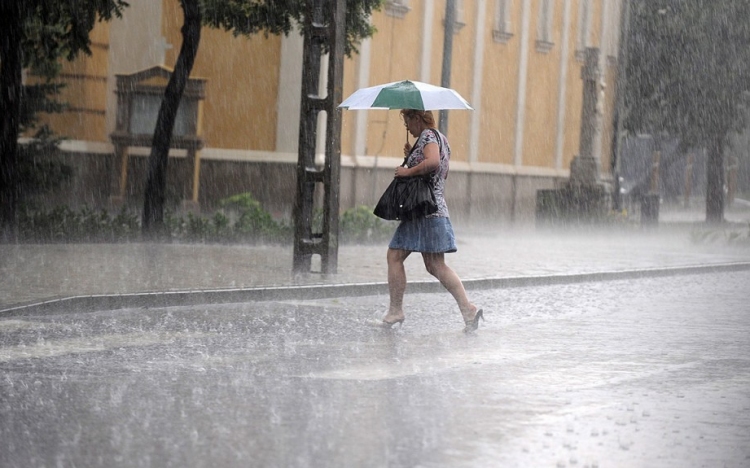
(407, 198)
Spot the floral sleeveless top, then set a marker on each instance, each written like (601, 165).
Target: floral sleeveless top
(441, 173)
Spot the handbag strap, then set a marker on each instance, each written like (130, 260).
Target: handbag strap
(439, 141)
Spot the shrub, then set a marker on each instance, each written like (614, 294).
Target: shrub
(359, 225)
(241, 219)
(125, 226)
(249, 221)
(42, 226)
(61, 224)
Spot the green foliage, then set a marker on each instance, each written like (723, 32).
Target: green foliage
(54, 29)
(62, 224)
(688, 67)
(34, 35)
(240, 220)
(246, 17)
(39, 98)
(125, 225)
(359, 225)
(39, 172)
(688, 75)
(38, 169)
(250, 222)
(222, 226)
(197, 229)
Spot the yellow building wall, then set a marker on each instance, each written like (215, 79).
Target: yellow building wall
(573, 94)
(542, 98)
(395, 57)
(461, 79)
(438, 37)
(85, 92)
(461, 76)
(240, 110)
(348, 118)
(242, 89)
(595, 34)
(499, 91)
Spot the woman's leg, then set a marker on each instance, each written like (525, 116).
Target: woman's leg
(435, 264)
(396, 283)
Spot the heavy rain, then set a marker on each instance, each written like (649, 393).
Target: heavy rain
(191, 272)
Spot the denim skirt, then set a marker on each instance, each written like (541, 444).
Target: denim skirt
(429, 235)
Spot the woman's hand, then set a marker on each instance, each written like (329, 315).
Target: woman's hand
(402, 171)
(430, 163)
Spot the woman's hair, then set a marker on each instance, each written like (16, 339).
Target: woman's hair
(425, 116)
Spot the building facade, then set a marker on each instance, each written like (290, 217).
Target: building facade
(518, 62)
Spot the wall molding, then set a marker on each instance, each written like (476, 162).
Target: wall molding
(271, 157)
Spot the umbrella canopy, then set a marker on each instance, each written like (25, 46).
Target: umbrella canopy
(405, 95)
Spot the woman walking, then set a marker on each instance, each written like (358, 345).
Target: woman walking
(432, 236)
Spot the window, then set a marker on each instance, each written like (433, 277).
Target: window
(544, 41)
(584, 27)
(503, 30)
(460, 22)
(145, 109)
(458, 15)
(397, 8)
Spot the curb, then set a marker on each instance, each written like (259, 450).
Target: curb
(322, 291)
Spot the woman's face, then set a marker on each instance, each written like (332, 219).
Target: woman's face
(413, 124)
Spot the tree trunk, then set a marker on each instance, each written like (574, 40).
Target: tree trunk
(10, 102)
(156, 183)
(715, 182)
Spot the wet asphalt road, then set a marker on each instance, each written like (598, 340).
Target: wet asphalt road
(652, 372)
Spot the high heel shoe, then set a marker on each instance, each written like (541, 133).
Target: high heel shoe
(385, 324)
(388, 325)
(473, 324)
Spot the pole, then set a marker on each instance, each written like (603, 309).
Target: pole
(317, 35)
(445, 77)
(622, 64)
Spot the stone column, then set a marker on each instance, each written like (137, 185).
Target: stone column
(584, 169)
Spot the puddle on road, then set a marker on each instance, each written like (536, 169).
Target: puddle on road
(99, 343)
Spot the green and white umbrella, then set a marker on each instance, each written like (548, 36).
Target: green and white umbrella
(405, 95)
